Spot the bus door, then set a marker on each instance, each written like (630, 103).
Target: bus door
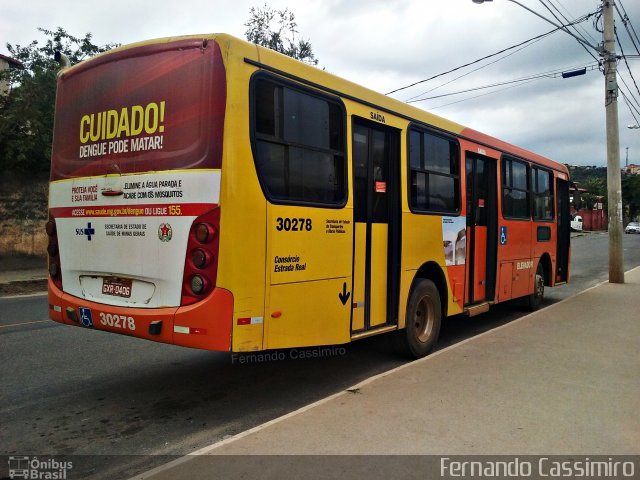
(482, 221)
(563, 230)
(376, 212)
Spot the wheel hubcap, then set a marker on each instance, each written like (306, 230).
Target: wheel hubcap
(423, 319)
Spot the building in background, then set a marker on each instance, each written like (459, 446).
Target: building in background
(590, 211)
(632, 169)
(5, 64)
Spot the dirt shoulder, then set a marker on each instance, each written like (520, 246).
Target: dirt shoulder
(22, 274)
(23, 288)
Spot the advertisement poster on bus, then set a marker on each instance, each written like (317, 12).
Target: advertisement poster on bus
(454, 239)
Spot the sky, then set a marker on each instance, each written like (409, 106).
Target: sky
(388, 44)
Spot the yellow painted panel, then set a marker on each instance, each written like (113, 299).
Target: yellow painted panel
(243, 208)
(379, 243)
(358, 279)
(421, 240)
(243, 224)
(309, 263)
(308, 314)
(308, 244)
(246, 338)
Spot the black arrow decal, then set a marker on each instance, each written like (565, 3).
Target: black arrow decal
(344, 295)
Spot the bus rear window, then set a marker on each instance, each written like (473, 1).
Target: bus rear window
(298, 145)
(147, 108)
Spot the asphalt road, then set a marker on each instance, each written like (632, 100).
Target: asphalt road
(126, 403)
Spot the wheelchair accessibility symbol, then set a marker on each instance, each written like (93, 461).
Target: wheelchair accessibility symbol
(85, 317)
(503, 235)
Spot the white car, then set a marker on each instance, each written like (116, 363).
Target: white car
(576, 223)
(633, 227)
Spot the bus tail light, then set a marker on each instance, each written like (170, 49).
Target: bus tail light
(200, 257)
(204, 232)
(198, 284)
(55, 272)
(201, 262)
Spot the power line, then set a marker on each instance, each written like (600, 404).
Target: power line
(561, 27)
(570, 14)
(597, 19)
(549, 74)
(625, 60)
(630, 24)
(625, 20)
(474, 62)
(484, 94)
(630, 106)
(472, 71)
(574, 28)
(630, 90)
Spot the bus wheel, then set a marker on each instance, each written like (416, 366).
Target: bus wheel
(423, 320)
(535, 299)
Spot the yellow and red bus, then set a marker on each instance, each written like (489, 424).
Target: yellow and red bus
(210, 193)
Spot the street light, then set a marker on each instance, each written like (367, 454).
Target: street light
(631, 127)
(614, 189)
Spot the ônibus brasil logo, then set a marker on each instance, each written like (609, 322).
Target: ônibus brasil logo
(165, 232)
(25, 467)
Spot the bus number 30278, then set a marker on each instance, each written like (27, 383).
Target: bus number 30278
(293, 224)
(118, 321)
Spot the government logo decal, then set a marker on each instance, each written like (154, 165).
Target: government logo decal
(165, 232)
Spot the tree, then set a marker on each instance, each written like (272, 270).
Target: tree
(26, 113)
(596, 188)
(277, 29)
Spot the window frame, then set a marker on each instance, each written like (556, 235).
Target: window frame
(504, 187)
(422, 130)
(255, 137)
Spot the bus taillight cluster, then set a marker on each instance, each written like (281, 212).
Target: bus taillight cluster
(201, 263)
(54, 254)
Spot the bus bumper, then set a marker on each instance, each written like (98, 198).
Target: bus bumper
(206, 325)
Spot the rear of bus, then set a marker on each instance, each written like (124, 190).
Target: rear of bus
(134, 210)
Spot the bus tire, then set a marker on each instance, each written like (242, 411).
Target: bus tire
(423, 320)
(535, 299)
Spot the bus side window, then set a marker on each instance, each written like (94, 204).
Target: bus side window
(434, 175)
(299, 145)
(542, 194)
(515, 189)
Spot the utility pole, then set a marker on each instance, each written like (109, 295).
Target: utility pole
(614, 188)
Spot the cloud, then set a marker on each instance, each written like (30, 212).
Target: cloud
(384, 45)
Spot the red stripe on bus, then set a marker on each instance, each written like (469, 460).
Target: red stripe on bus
(146, 210)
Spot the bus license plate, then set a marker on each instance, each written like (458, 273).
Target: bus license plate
(117, 287)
